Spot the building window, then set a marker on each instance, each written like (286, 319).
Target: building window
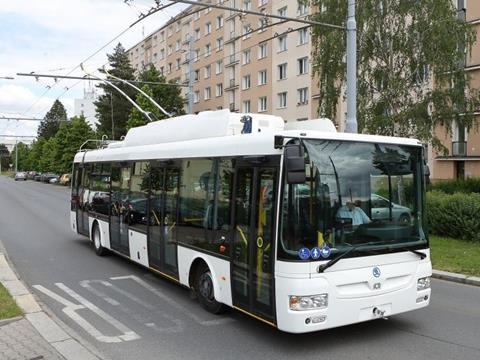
(177, 64)
(169, 50)
(247, 32)
(208, 71)
(262, 77)
(262, 51)
(262, 24)
(302, 96)
(207, 93)
(219, 89)
(247, 4)
(262, 104)
(169, 68)
(207, 10)
(177, 45)
(196, 34)
(219, 22)
(282, 71)
(208, 28)
(282, 100)
(196, 14)
(208, 50)
(246, 106)
(302, 8)
(302, 66)
(262, 2)
(219, 67)
(282, 43)
(219, 44)
(247, 57)
(303, 36)
(196, 75)
(196, 55)
(196, 96)
(246, 82)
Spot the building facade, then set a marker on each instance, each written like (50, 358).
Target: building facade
(463, 159)
(247, 63)
(240, 62)
(86, 107)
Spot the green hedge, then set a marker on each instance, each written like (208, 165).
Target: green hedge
(469, 185)
(454, 215)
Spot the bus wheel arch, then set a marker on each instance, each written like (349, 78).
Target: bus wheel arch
(97, 239)
(202, 281)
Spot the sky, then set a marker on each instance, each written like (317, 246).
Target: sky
(53, 37)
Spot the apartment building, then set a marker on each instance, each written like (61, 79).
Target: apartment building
(463, 159)
(247, 63)
(240, 62)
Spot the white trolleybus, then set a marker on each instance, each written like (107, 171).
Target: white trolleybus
(300, 227)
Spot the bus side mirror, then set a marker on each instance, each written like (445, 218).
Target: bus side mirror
(294, 164)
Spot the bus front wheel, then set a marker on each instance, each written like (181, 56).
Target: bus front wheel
(97, 241)
(205, 290)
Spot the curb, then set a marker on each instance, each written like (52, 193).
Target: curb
(454, 277)
(48, 329)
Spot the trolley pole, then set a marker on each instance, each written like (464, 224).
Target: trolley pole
(190, 75)
(351, 125)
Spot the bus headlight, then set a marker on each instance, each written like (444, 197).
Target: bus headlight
(310, 302)
(423, 283)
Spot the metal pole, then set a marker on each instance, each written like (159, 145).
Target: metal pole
(111, 112)
(190, 75)
(351, 123)
(16, 156)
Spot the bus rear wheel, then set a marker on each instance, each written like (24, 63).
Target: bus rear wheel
(205, 290)
(97, 241)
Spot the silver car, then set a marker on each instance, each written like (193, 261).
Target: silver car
(381, 210)
(20, 176)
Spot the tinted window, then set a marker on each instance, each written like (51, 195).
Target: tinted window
(138, 196)
(100, 188)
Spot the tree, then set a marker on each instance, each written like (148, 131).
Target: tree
(36, 154)
(68, 140)
(4, 157)
(403, 46)
(119, 67)
(51, 122)
(21, 155)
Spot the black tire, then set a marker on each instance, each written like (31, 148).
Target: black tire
(97, 241)
(404, 219)
(205, 291)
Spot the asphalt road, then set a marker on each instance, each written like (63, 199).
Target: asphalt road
(111, 299)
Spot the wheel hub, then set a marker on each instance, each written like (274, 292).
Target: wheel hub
(206, 286)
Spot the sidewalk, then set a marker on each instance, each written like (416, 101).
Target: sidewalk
(34, 336)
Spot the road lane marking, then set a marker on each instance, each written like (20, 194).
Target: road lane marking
(174, 303)
(70, 309)
(178, 324)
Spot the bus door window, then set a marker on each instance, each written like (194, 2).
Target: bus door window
(137, 203)
(169, 228)
(242, 231)
(155, 218)
(119, 209)
(263, 241)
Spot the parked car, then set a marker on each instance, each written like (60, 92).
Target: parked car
(31, 175)
(20, 176)
(64, 179)
(381, 210)
(37, 177)
(46, 177)
(54, 180)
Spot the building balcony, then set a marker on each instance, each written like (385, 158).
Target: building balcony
(232, 61)
(459, 148)
(231, 85)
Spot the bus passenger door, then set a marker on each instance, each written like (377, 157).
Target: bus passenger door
(83, 200)
(163, 207)
(119, 209)
(252, 257)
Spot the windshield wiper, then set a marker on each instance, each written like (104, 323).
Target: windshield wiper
(333, 261)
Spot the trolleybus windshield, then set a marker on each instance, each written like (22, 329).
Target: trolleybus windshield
(355, 193)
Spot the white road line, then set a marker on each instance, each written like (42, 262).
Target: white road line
(178, 327)
(174, 303)
(71, 309)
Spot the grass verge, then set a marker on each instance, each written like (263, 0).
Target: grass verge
(8, 307)
(458, 256)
